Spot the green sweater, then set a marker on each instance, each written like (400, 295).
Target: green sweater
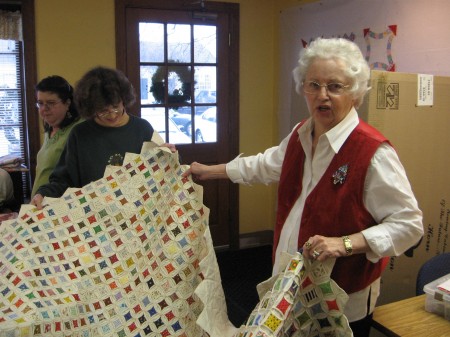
(49, 154)
(90, 148)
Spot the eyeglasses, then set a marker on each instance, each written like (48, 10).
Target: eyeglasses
(311, 87)
(48, 104)
(109, 112)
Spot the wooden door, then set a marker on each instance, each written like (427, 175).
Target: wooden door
(182, 60)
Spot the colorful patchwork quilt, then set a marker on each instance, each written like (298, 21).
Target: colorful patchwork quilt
(301, 301)
(131, 255)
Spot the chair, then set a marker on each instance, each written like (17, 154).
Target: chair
(431, 270)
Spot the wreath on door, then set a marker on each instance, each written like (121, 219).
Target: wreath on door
(178, 95)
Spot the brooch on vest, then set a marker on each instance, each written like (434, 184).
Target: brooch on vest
(340, 175)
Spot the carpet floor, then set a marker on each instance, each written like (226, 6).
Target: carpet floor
(241, 271)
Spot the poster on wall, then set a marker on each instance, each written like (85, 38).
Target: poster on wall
(396, 37)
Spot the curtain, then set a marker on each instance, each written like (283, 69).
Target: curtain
(10, 25)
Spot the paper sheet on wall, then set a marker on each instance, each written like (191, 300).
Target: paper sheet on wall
(425, 90)
(131, 255)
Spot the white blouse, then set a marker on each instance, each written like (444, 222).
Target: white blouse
(387, 196)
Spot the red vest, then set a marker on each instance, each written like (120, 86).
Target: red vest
(333, 209)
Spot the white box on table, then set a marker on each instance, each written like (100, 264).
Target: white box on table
(437, 301)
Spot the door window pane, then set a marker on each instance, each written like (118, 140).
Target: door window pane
(150, 83)
(205, 44)
(182, 117)
(206, 126)
(179, 84)
(205, 84)
(151, 42)
(179, 43)
(153, 84)
(159, 122)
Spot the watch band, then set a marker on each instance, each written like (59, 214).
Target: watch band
(348, 245)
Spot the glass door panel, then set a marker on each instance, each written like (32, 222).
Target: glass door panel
(179, 43)
(151, 42)
(191, 61)
(205, 44)
(170, 80)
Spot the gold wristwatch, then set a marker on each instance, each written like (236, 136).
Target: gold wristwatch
(348, 245)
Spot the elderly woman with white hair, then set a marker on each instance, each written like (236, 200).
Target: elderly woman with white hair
(343, 192)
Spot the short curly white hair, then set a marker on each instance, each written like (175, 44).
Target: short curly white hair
(356, 67)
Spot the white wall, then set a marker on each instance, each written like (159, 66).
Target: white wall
(420, 43)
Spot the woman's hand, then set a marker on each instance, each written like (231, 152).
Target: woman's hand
(205, 172)
(37, 201)
(321, 247)
(197, 171)
(171, 147)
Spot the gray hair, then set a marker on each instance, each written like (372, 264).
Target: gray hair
(356, 67)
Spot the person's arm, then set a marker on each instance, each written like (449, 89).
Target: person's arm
(262, 168)
(389, 199)
(242, 170)
(333, 247)
(205, 172)
(62, 176)
(55, 187)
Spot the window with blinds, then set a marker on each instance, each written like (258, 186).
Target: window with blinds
(11, 116)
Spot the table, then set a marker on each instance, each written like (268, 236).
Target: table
(408, 318)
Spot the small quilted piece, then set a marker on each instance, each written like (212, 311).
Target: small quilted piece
(302, 302)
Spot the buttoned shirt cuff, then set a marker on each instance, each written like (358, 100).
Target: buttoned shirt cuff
(233, 171)
(380, 245)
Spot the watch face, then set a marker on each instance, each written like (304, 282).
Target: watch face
(348, 245)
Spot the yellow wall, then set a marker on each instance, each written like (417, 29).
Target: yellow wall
(74, 36)
(258, 119)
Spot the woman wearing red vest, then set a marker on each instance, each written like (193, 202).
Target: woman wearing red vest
(343, 192)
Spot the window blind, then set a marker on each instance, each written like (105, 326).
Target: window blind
(11, 116)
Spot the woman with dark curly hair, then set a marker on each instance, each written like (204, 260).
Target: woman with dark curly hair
(54, 100)
(102, 97)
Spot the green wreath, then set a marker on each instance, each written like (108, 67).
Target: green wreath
(180, 95)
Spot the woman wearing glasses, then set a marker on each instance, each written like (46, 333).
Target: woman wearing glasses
(343, 192)
(57, 110)
(102, 97)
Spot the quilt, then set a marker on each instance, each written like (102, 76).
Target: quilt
(131, 255)
(301, 301)
(122, 256)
